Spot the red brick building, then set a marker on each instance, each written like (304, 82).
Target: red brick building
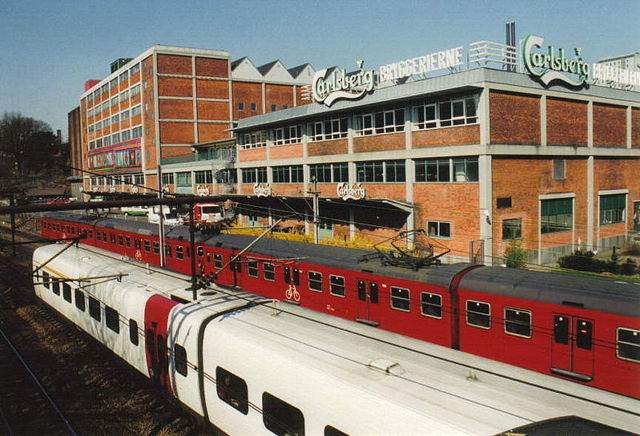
(153, 108)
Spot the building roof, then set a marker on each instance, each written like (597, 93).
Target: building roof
(264, 69)
(295, 71)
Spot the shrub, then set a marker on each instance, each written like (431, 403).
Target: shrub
(515, 255)
(583, 261)
(629, 268)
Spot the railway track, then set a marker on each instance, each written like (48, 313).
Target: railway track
(93, 392)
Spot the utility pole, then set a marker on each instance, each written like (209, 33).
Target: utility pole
(316, 209)
(161, 222)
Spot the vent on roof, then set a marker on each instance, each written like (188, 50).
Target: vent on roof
(386, 366)
(572, 304)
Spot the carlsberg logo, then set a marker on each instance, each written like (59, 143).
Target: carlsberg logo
(549, 66)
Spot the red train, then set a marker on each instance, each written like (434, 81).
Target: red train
(583, 329)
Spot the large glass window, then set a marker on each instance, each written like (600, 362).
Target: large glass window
(439, 229)
(556, 215)
(380, 122)
(287, 174)
(330, 173)
(381, 171)
(328, 129)
(204, 177)
(254, 140)
(254, 175)
(183, 179)
(512, 229)
(286, 135)
(447, 170)
(445, 113)
(613, 208)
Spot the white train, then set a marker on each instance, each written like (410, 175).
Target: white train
(247, 365)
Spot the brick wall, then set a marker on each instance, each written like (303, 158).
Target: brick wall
(246, 93)
(175, 87)
(515, 118)
(148, 117)
(287, 189)
(609, 125)
(279, 95)
(635, 127)
(174, 64)
(321, 148)
(209, 67)
(446, 136)
(212, 131)
(566, 122)
(176, 133)
(255, 154)
(286, 151)
(176, 109)
(213, 110)
(212, 89)
(390, 141)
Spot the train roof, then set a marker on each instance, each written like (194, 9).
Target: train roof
(590, 293)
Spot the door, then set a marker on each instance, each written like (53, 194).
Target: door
(367, 302)
(572, 347)
(636, 216)
(156, 318)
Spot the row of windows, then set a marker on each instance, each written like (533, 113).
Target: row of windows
(111, 316)
(114, 101)
(201, 177)
(128, 179)
(390, 171)
(122, 116)
(429, 115)
(288, 174)
(116, 138)
(104, 89)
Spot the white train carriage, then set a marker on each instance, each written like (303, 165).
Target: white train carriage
(254, 367)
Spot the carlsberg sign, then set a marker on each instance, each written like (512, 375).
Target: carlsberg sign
(551, 65)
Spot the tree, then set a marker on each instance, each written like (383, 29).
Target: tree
(27, 146)
(515, 255)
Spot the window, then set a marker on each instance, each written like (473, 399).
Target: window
(287, 174)
(431, 305)
(612, 208)
(254, 140)
(156, 248)
(584, 334)
(180, 359)
(124, 77)
(269, 272)
(167, 178)
(125, 115)
(556, 215)
(511, 229)
(558, 169)
(135, 69)
(179, 252)
(204, 177)
(445, 113)
(232, 390)
(167, 249)
(517, 322)
(400, 299)
(55, 285)
(125, 135)
(274, 107)
(478, 314)
(332, 431)
(286, 135)
(80, 301)
(254, 175)
(628, 344)
(439, 229)
(66, 292)
(336, 285)
(380, 122)
(315, 281)
(147, 245)
(217, 260)
(120, 240)
(330, 173)
(133, 332)
(503, 202)
(127, 241)
(370, 171)
(94, 308)
(112, 319)
(254, 107)
(136, 132)
(135, 90)
(328, 129)
(45, 279)
(252, 268)
(281, 418)
(447, 170)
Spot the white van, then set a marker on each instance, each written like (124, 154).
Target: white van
(168, 216)
(134, 210)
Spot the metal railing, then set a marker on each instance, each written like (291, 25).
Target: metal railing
(225, 154)
(483, 53)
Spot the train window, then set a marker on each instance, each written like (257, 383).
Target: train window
(167, 249)
(136, 243)
(98, 236)
(112, 319)
(112, 237)
(94, 308)
(217, 260)
(200, 251)
(45, 279)
(232, 390)
(147, 245)
(180, 359)
(296, 276)
(561, 330)
(315, 281)
(517, 322)
(373, 293)
(55, 285)
(269, 272)
(281, 418)
(332, 431)
(287, 274)
(127, 241)
(80, 301)
(478, 314)
(252, 268)
(66, 292)
(179, 252)
(156, 248)
(628, 344)
(431, 305)
(584, 335)
(120, 240)
(133, 331)
(362, 290)
(400, 299)
(336, 286)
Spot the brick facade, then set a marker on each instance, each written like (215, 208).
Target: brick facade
(567, 122)
(609, 125)
(515, 118)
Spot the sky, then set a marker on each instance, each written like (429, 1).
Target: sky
(51, 47)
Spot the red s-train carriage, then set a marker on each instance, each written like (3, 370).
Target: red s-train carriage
(582, 329)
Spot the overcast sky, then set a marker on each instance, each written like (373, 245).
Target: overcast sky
(51, 47)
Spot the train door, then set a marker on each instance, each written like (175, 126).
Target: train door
(155, 326)
(367, 302)
(572, 347)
